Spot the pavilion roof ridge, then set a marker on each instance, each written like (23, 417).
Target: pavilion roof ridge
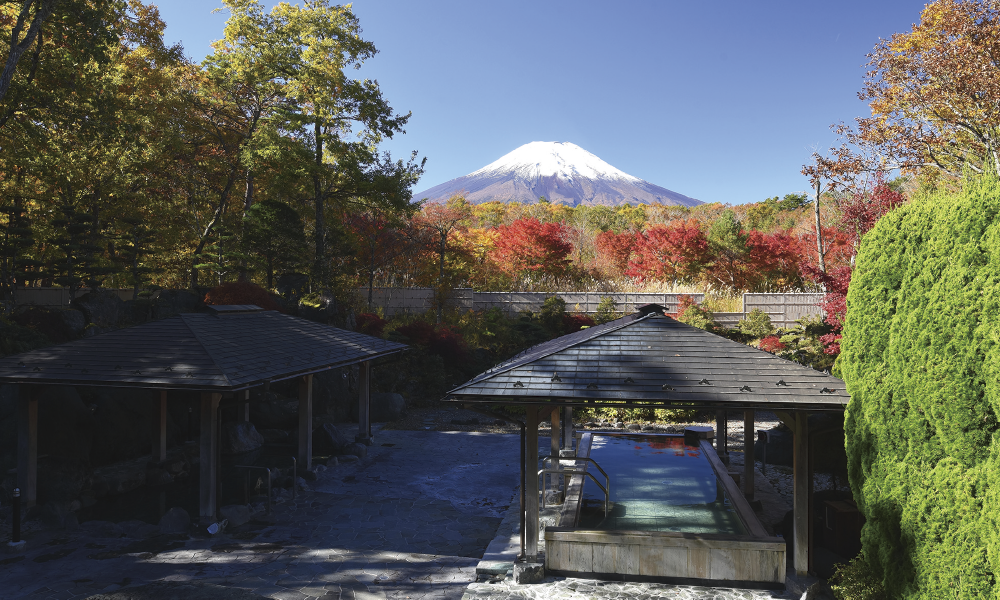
(548, 348)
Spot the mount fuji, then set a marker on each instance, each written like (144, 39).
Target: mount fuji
(561, 172)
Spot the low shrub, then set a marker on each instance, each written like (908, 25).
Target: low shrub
(242, 292)
(757, 324)
(370, 324)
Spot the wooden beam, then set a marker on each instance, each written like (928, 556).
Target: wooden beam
(208, 466)
(722, 435)
(364, 404)
(27, 444)
(800, 494)
(159, 432)
(531, 482)
(748, 438)
(305, 422)
(243, 406)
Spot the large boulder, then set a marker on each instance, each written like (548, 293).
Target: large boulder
(238, 438)
(61, 479)
(386, 407)
(274, 412)
(327, 439)
(103, 308)
(74, 320)
(236, 514)
(175, 520)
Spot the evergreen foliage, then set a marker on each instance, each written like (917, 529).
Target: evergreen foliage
(921, 358)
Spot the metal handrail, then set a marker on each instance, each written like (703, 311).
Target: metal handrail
(246, 483)
(604, 488)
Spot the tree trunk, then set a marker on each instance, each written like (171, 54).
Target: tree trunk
(444, 241)
(319, 268)
(216, 217)
(819, 235)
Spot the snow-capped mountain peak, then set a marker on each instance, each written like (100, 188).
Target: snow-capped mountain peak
(559, 171)
(552, 159)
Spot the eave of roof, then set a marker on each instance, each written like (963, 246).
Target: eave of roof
(198, 351)
(653, 361)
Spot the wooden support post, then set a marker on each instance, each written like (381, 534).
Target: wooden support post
(721, 435)
(748, 439)
(568, 433)
(800, 493)
(27, 445)
(159, 431)
(531, 483)
(305, 422)
(364, 404)
(554, 446)
(243, 406)
(208, 467)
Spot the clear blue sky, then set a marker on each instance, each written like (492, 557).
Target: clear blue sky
(721, 101)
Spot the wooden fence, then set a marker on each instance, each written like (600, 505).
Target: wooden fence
(784, 309)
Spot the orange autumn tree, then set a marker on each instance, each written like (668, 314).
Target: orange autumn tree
(529, 246)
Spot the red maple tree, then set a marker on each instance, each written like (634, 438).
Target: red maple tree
(674, 252)
(616, 248)
(528, 245)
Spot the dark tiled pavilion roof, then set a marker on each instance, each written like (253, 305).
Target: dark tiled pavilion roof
(233, 349)
(653, 360)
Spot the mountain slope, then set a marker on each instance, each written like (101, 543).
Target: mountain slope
(561, 172)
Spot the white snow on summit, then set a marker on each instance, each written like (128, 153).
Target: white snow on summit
(548, 159)
(562, 173)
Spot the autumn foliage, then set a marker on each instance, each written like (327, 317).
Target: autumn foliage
(530, 246)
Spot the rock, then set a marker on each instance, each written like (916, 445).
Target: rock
(273, 412)
(119, 482)
(71, 523)
(820, 590)
(779, 448)
(356, 449)
(527, 572)
(74, 320)
(634, 426)
(104, 308)
(53, 514)
(274, 436)
(619, 425)
(236, 514)
(307, 475)
(175, 520)
(174, 467)
(102, 529)
(386, 407)
(333, 461)
(138, 529)
(174, 302)
(327, 439)
(158, 476)
(238, 438)
(347, 458)
(61, 479)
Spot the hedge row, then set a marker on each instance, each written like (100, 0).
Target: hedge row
(921, 358)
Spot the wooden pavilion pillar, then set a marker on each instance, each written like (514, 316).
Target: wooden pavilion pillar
(722, 436)
(305, 422)
(554, 447)
(568, 433)
(800, 493)
(243, 406)
(748, 462)
(158, 439)
(531, 483)
(364, 404)
(208, 466)
(27, 444)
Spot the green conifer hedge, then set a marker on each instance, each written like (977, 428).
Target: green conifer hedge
(921, 358)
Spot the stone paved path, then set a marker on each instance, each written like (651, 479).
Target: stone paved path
(410, 521)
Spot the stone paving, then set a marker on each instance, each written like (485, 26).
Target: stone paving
(410, 521)
(378, 528)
